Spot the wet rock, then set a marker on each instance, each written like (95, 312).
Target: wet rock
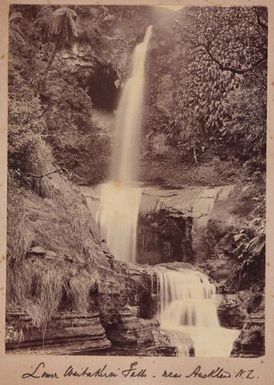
(218, 268)
(130, 330)
(120, 286)
(165, 235)
(256, 303)
(137, 336)
(250, 342)
(230, 311)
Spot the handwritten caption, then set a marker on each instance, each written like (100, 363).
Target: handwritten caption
(134, 370)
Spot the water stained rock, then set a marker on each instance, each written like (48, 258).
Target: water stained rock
(164, 235)
(133, 335)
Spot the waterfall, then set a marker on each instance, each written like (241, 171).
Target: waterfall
(187, 304)
(120, 198)
(187, 298)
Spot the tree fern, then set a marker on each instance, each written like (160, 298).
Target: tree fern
(63, 33)
(63, 27)
(15, 33)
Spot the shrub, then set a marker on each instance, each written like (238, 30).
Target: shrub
(249, 253)
(25, 129)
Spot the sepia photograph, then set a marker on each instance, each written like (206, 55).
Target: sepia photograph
(136, 180)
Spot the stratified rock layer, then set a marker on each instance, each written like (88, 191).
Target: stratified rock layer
(139, 336)
(67, 334)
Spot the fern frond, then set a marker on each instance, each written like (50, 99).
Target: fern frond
(15, 16)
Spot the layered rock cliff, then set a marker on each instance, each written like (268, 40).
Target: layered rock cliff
(66, 293)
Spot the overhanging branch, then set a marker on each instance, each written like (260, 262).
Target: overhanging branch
(42, 176)
(234, 70)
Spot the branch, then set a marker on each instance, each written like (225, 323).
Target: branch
(73, 174)
(89, 196)
(42, 176)
(223, 67)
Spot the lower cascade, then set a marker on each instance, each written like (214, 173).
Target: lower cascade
(187, 308)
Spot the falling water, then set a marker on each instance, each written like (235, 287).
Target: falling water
(187, 304)
(120, 198)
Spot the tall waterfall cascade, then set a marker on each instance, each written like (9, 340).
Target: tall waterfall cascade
(120, 198)
(187, 304)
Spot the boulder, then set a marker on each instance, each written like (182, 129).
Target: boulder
(135, 336)
(230, 311)
(250, 342)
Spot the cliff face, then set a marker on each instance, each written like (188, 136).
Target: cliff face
(66, 293)
(164, 235)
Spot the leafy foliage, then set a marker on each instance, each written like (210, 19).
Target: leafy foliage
(248, 246)
(63, 32)
(244, 118)
(216, 68)
(63, 28)
(249, 252)
(26, 127)
(60, 113)
(15, 33)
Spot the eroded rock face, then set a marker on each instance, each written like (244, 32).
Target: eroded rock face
(134, 335)
(164, 235)
(67, 334)
(117, 291)
(251, 341)
(66, 282)
(230, 311)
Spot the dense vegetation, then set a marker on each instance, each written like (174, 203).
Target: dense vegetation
(206, 82)
(205, 105)
(204, 124)
(211, 96)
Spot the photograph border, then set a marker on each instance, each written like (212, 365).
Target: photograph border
(14, 366)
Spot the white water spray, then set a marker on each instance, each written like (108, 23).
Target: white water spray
(188, 305)
(120, 198)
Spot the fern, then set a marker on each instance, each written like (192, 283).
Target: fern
(64, 34)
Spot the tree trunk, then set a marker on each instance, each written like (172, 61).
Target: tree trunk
(44, 78)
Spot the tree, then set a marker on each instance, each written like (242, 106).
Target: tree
(213, 51)
(15, 33)
(63, 32)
